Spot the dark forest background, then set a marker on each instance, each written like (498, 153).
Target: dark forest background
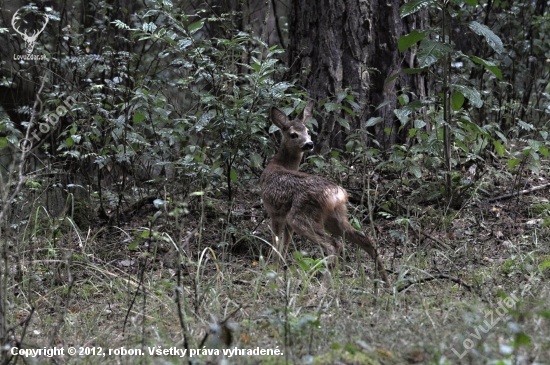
(132, 144)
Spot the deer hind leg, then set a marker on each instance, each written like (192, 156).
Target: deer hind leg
(278, 228)
(287, 236)
(338, 224)
(313, 230)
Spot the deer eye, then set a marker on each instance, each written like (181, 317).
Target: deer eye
(293, 135)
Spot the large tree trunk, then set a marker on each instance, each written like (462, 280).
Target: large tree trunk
(339, 44)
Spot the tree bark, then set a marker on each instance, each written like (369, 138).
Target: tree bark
(339, 44)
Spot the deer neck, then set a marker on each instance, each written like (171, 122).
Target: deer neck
(288, 160)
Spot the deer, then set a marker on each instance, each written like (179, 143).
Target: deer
(307, 204)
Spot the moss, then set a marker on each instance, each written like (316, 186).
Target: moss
(540, 209)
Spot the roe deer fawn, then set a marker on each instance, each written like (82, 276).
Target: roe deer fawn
(307, 204)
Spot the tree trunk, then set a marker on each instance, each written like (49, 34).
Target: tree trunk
(339, 44)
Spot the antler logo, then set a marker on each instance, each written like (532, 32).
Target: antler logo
(29, 39)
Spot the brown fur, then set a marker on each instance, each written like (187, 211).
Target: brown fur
(307, 204)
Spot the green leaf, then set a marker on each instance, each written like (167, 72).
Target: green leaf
(419, 123)
(392, 77)
(414, 6)
(535, 145)
(348, 110)
(356, 224)
(256, 67)
(408, 40)
(415, 106)
(383, 104)
(472, 3)
(543, 266)
(255, 160)
(330, 107)
(489, 66)
(69, 141)
(233, 175)
(535, 169)
(139, 116)
(501, 136)
(431, 51)
(522, 339)
(194, 27)
(120, 24)
(472, 94)
(415, 170)
(353, 104)
(373, 121)
(402, 115)
(544, 151)
(408, 71)
(341, 95)
(525, 126)
(3, 142)
(344, 123)
(499, 148)
(317, 162)
(265, 77)
(462, 146)
(492, 39)
(149, 27)
(513, 162)
(457, 100)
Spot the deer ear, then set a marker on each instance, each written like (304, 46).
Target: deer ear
(307, 113)
(279, 118)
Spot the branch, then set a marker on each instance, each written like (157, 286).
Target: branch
(440, 276)
(522, 192)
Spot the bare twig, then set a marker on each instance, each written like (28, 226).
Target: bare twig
(521, 192)
(436, 277)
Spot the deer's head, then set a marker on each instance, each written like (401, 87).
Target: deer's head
(295, 134)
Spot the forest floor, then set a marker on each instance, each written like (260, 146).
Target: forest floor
(470, 285)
